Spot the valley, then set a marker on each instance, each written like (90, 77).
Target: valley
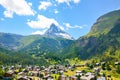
(56, 55)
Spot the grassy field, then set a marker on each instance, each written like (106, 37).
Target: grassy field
(113, 74)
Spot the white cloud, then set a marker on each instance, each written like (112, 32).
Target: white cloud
(64, 1)
(43, 22)
(39, 32)
(30, 4)
(68, 26)
(68, 1)
(19, 7)
(8, 14)
(44, 5)
(56, 11)
(76, 1)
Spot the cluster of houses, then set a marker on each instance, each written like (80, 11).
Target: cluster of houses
(46, 73)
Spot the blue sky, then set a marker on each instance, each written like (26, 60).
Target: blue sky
(76, 17)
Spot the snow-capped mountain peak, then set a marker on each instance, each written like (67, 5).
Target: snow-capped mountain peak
(55, 31)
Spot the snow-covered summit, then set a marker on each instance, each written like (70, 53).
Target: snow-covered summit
(55, 31)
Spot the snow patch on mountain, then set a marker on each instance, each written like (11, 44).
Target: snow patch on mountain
(64, 35)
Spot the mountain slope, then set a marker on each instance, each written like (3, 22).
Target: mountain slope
(26, 40)
(104, 23)
(10, 41)
(46, 45)
(102, 39)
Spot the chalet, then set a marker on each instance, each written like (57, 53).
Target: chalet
(53, 71)
(9, 75)
(72, 78)
(102, 63)
(79, 73)
(61, 68)
(61, 72)
(35, 73)
(51, 67)
(117, 63)
(101, 78)
(24, 78)
(48, 77)
(42, 67)
(88, 76)
(21, 74)
(71, 68)
(80, 65)
(29, 68)
(19, 66)
(25, 70)
(36, 68)
(96, 70)
(3, 68)
(62, 77)
(46, 71)
(97, 64)
(12, 68)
